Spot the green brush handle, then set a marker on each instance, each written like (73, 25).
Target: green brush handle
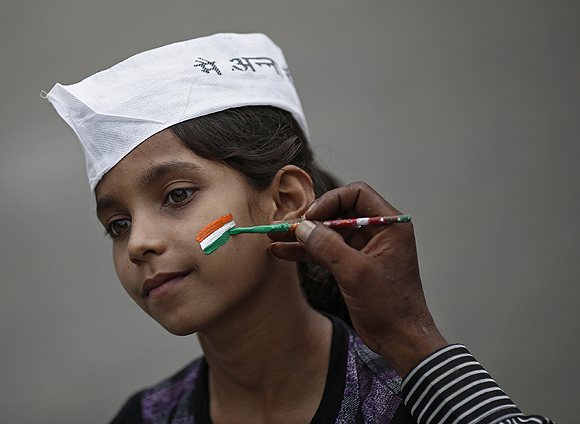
(262, 229)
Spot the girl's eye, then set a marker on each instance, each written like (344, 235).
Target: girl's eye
(118, 227)
(179, 195)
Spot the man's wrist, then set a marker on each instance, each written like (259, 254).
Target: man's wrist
(405, 352)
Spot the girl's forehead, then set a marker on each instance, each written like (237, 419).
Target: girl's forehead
(160, 155)
(160, 147)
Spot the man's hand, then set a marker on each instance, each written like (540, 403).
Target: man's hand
(376, 269)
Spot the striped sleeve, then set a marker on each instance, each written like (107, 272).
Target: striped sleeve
(451, 387)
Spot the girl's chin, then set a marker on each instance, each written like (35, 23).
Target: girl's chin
(178, 326)
(179, 330)
(182, 333)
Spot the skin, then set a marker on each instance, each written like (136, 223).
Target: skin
(267, 349)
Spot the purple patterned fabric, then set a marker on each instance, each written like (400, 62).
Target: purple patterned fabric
(168, 402)
(372, 392)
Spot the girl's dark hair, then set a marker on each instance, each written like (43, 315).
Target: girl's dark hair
(257, 141)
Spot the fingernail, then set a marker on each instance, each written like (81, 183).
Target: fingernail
(312, 205)
(304, 230)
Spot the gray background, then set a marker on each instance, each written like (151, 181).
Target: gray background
(464, 114)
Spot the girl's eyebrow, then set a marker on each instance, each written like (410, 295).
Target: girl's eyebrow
(149, 177)
(104, 203)
(153, 174)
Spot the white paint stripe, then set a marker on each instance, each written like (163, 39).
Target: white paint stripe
(217, 234)
(362, 221)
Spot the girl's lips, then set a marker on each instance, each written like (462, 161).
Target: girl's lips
(160, 283)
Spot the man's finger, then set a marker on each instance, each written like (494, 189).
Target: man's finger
(293, 252)
(326, 247)
(353, 200)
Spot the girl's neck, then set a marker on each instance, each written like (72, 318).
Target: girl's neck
(270, 360)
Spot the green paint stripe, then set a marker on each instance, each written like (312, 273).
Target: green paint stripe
(219, 242)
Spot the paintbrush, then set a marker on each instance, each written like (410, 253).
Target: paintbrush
(218, 232)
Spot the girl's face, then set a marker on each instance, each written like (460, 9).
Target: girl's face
(153, 203)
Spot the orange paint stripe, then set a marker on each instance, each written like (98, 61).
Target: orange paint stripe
(212, 226)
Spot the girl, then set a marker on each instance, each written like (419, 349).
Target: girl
(181, 135)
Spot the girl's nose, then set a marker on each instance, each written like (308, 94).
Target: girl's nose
(145, 240)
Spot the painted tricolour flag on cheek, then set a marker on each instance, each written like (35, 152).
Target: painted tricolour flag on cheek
(216, 233)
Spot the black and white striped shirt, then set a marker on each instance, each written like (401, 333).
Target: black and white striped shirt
(451, 387)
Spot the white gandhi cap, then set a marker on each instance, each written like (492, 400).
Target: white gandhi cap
(115, 110)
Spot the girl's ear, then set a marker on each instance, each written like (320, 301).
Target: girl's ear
(292, 191)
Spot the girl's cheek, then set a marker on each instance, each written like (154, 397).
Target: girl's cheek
(122, 268)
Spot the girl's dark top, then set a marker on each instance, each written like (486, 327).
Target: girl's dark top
(361, 387)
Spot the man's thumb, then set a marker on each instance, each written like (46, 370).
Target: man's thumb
(326, 246)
